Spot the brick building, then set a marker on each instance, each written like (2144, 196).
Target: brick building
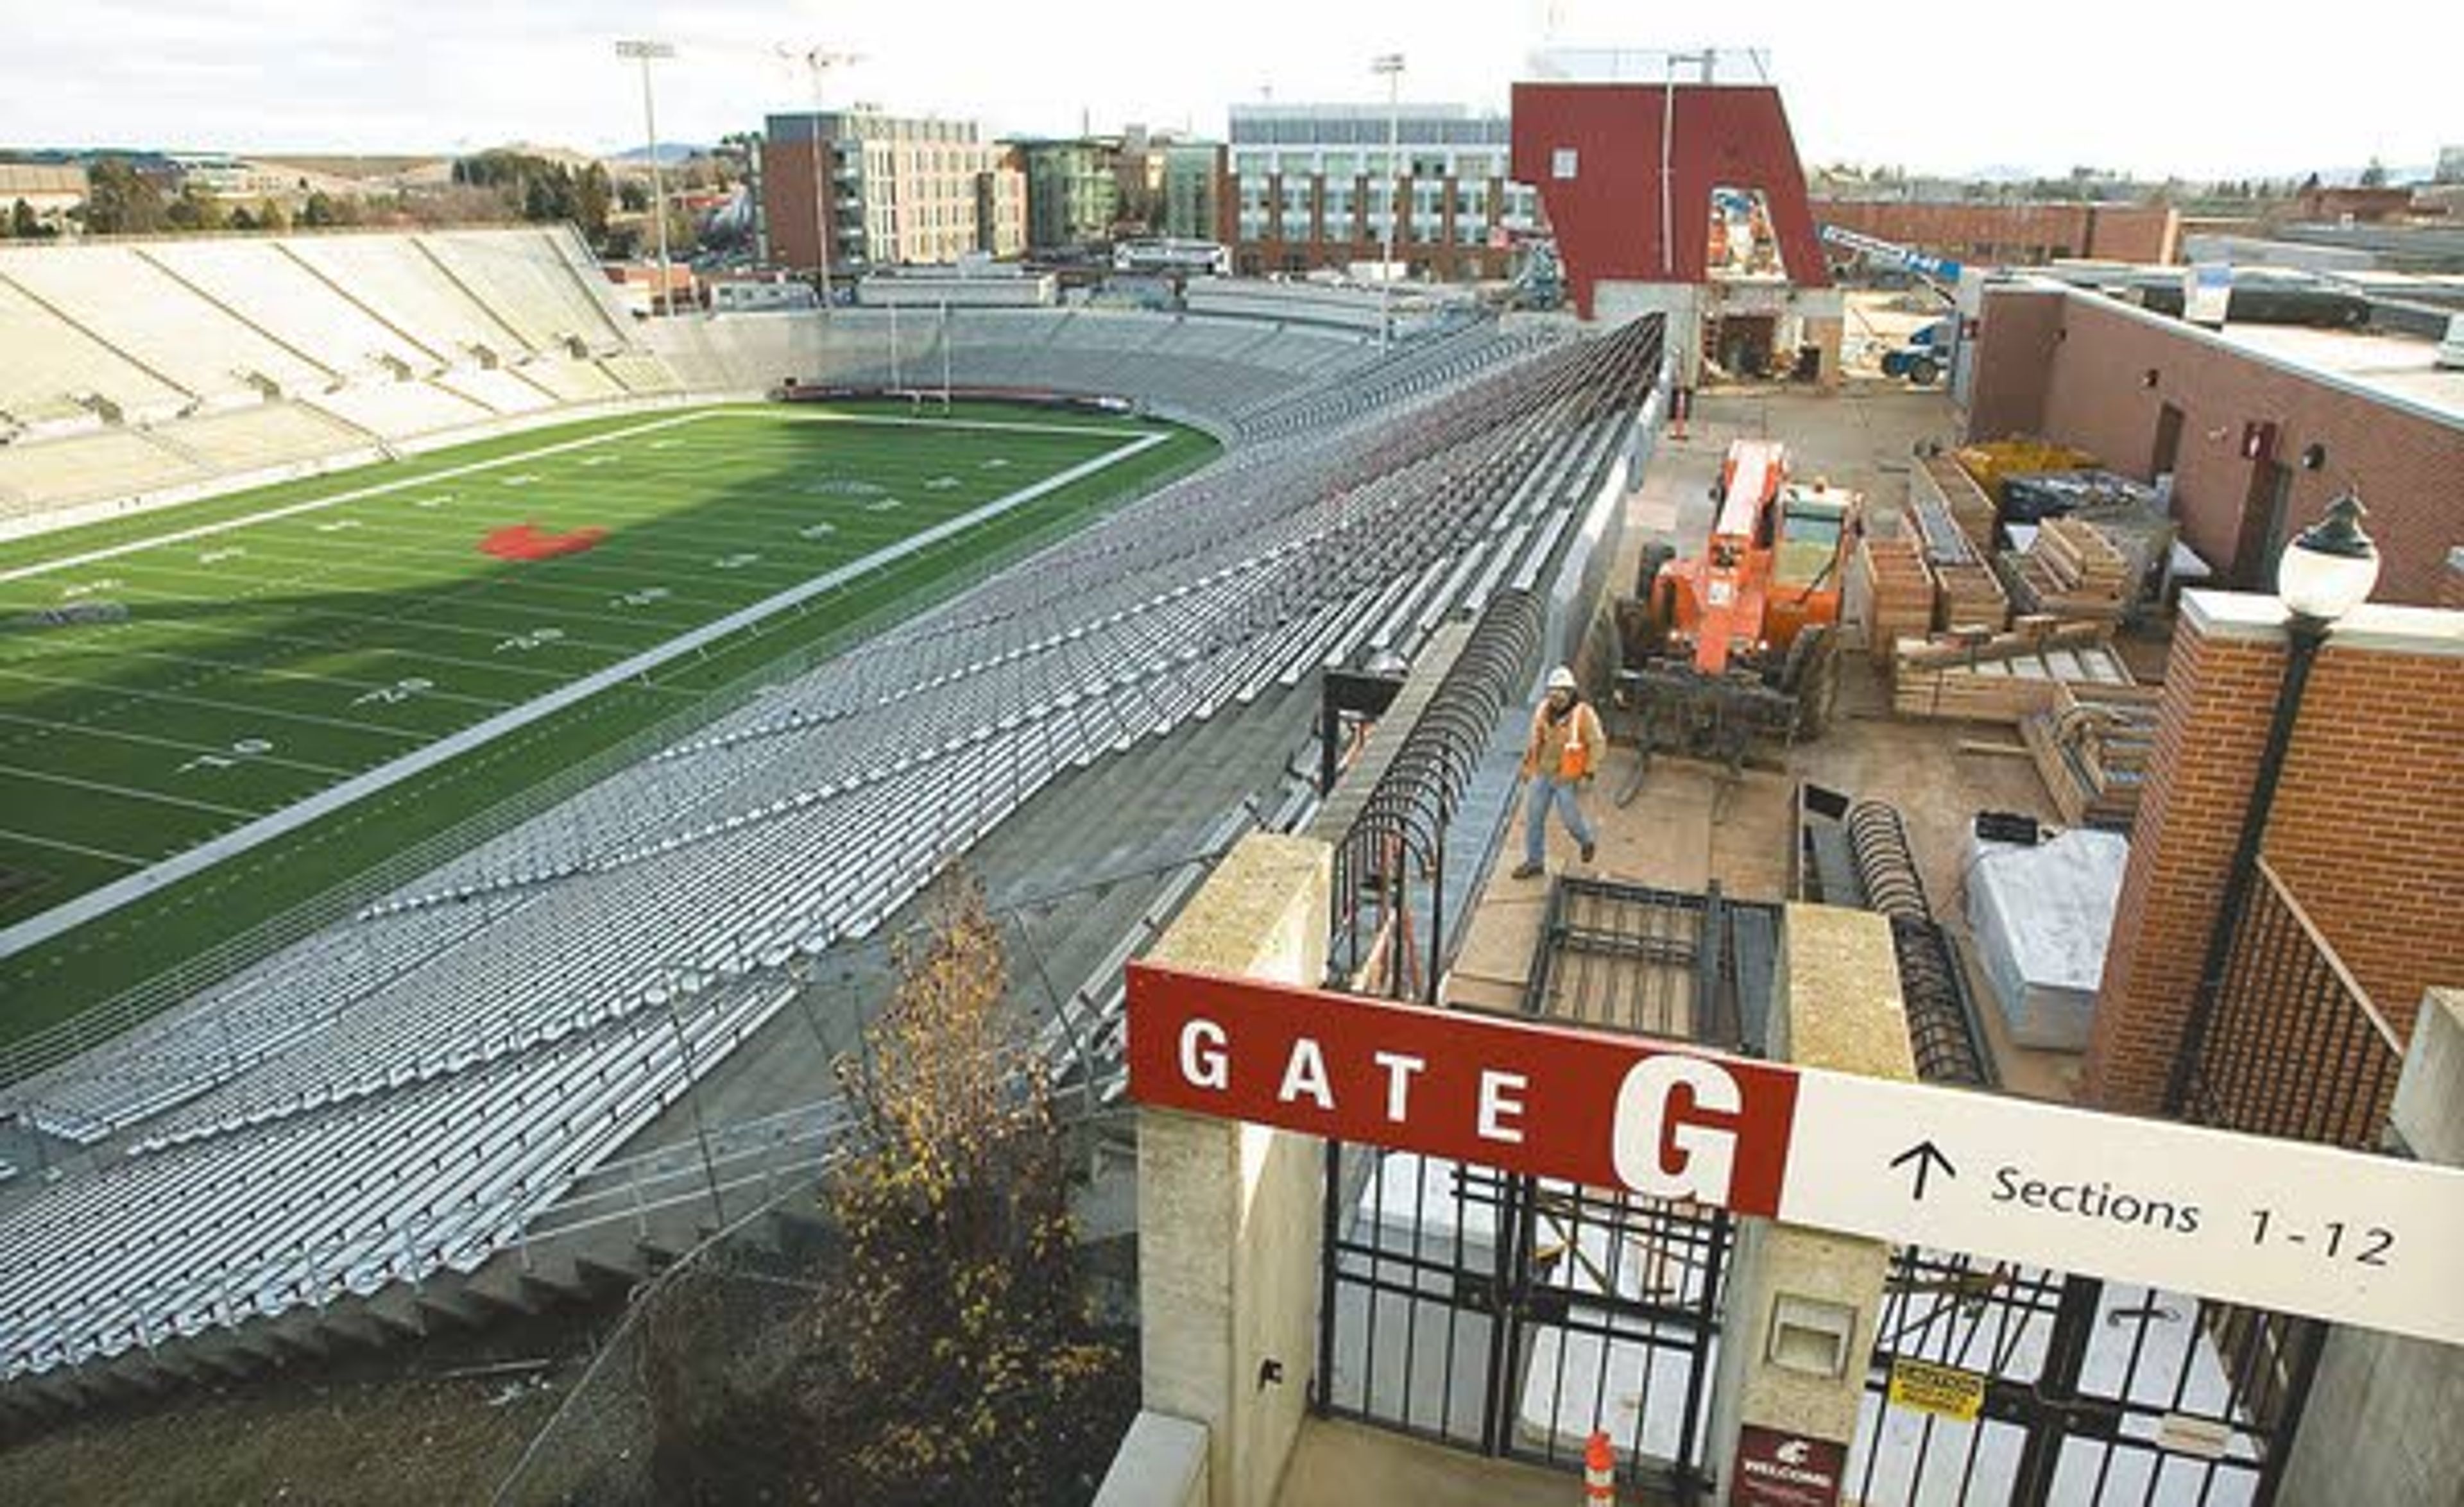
(2026, 234)
(903, 190)
(2363, 830)
(2259, 424)
(1309, 187)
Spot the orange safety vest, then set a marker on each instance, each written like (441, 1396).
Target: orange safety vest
(1569, 747)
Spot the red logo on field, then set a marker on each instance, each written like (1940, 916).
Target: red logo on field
(528, 541)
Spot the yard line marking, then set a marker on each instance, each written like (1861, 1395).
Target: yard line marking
(313, 504)
(229, 667)
(131, 693)
(210, 807)
(122, 735)
(105, 854)
(107, 898)
(561, 446)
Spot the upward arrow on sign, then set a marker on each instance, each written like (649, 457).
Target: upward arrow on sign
(1927, 1156)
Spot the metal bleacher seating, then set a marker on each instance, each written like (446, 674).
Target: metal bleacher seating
(400, 1094)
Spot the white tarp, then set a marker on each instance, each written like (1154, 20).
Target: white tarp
(2041, 917)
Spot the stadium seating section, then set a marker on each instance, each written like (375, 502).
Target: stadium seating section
(139, 368)
(407, 1094)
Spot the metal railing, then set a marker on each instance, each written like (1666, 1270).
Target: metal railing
(2296, 1049)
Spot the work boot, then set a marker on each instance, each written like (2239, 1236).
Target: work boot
(1527, 871)
(1590, 849)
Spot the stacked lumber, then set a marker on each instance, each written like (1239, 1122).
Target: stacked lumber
(2071, 569)
(1940, 479)
(1896, 590)
(1972, 597)
(2091, 745)
(1967, 593)
(2006, 677)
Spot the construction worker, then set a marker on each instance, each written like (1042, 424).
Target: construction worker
(1562, 756)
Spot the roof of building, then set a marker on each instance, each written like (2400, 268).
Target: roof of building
(2391, 366)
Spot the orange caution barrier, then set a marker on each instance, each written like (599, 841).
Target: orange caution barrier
(1599, 1471)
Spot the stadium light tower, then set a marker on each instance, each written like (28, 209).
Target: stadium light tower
(646, 51)
(819, 61)
(1390, 64)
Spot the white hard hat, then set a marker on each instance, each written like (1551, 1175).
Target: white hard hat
(1561, 679)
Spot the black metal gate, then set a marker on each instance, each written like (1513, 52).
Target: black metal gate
(1995, 1383)
(1514, 1315)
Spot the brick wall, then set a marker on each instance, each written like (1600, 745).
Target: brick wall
(2405, 464)
(2013, 235)
(2368, 828)
(2015, 340)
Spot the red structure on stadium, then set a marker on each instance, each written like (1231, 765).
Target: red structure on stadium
(1632, 177)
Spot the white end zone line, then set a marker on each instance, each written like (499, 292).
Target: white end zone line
(136, 886)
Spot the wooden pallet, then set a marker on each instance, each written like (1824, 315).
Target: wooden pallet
(2092, 748)
(2007, 677)
(1971, 597)
(2070, 570)
(1940, 480)
(1896, 590)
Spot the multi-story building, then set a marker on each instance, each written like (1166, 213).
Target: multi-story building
(1194, 193)
(902, 189)
(1310, 184)
(1001, 207)
(1073, 192)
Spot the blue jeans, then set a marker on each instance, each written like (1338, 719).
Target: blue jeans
(1565, 796)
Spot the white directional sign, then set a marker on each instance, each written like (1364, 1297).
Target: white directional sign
(2282, 1225)
(2277, 1224)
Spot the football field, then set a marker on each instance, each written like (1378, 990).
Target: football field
(206, 687)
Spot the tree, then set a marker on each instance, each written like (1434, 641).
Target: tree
(633, 196)
(121, 201)
(270, 215)
(592, 192)
(195, 210)
(948, 1355)
(962, 1362)
(2375, 175)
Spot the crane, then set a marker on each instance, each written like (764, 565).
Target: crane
(1920, 359)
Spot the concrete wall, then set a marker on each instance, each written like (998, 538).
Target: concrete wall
(1839, 1008)
(2366, 829)
(2381, 1423)
(1228, 1213)
(1161, 1463)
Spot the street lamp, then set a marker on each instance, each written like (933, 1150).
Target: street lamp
(645, 52)
(1390, 64)
(819, 61)
(2323, 576)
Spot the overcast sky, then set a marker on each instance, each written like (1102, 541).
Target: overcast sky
(2146, 87)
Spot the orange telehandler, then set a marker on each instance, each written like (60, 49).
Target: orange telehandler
(1740, 642)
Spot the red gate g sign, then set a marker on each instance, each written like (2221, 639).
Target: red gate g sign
(1604, 1111)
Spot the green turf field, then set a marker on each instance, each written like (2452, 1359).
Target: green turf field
(265, 647)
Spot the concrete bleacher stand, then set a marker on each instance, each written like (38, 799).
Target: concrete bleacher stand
(146, 373)
(364, 1122)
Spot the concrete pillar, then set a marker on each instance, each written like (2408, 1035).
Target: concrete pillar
(1799, 1297)
(1228, 1213)
(2380, 1426)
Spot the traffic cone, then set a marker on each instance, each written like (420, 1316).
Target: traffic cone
(1599, 1471)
